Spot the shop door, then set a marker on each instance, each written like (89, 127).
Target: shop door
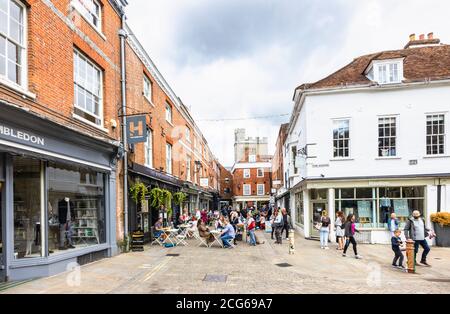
(317, 207)
(2, 249)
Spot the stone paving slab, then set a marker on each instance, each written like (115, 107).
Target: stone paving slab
(249, 270)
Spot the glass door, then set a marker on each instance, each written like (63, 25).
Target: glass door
(317, 207)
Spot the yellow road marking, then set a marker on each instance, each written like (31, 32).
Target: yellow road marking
(157, 268)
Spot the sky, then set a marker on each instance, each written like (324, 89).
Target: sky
(229, 59)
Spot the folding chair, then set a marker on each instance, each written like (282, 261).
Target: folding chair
(200, 239)
(181, 238)
(158, 238)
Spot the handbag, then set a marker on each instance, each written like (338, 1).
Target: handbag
(318, 225)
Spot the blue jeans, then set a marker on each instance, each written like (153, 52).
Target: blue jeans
(425, 246)
(324, 232)
(225, 239)
(252, 237)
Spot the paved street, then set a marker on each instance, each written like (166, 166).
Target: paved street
(249, 270)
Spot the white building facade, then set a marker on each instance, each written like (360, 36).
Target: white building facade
(371, 147)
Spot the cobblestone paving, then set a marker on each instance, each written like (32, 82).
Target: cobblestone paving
(249, 270)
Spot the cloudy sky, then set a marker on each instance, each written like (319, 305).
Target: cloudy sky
(242, 59)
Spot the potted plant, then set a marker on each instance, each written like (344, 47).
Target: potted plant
(442, 228)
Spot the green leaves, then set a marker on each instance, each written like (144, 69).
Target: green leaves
(179, 198)
(138, 192)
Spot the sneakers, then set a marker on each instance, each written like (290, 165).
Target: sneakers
(326, 248)
(321, 247)
(344, 255)
(358, 257)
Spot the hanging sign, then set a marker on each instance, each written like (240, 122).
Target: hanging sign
(136, 129)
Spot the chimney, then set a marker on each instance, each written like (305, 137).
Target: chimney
(422, 41)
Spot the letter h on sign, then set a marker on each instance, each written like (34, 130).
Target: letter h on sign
(136, 129)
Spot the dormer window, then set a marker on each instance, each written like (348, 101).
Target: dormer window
(386, 71)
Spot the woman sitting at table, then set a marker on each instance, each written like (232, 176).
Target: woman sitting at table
(185, 217)
(158, 227)
(204, 232)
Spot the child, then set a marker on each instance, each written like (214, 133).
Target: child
(396, 247)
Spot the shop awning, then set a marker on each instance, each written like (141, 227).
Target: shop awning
(155, 175)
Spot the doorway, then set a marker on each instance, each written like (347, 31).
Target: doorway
(317, 207)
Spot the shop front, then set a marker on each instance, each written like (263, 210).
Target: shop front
(142, 217)
(58, 198)
(371, 202)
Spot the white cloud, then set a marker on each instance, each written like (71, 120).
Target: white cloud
(259, 79)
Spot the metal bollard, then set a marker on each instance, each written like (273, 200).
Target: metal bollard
(291, 242)
(411, 256)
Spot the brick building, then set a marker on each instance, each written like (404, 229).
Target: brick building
(281, 194)
(226, 186)
(61, 172)
(59, 96)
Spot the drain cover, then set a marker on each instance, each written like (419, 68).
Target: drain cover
(215, 278)
(284, 265)
(173, 255)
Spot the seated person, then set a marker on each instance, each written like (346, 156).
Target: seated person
(228, 234)
(158, 227)
(220, 223)
(203, 231)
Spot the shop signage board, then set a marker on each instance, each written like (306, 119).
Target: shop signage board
(21, 136)
(136, 129)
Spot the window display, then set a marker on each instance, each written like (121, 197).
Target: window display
(300, 212)
(28, 174)
(76, 210)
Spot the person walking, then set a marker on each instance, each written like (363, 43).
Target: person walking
(287, 224)
(278, 225)
(324, 230)
(251, 225)
(272, 222)
(397, 242)
(393, 224)
(350, 230)
(340, 230)
(417, 231)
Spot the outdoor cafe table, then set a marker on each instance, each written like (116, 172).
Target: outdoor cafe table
(216, 234)
(171, 236)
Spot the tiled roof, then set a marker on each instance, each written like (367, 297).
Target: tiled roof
(422, 63)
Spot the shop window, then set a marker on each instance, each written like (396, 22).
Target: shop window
(299, 209)
(12, 43)
(27, 178)
(76, 208)
(360, 202)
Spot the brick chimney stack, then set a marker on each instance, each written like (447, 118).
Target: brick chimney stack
(422, 41)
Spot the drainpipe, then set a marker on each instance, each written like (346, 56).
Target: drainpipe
(123, 36)
(439, 196)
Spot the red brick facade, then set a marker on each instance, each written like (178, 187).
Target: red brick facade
(239, 181)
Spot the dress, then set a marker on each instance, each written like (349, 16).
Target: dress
(340, 232)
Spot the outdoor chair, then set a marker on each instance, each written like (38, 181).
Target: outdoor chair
(158, 235)
(201, 240)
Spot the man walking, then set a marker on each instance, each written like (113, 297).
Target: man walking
(287, 225)
(416, 230)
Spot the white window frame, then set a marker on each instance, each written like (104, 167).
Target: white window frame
(148, 89)
(148, 149)
(383, 71)
(444, 142)
(263, 192)
(247, 174)
(381, 138)
(188, 134)
(258, 171)
(23, 84)
(168, 158)
(249, 188)
(188, 168)
(169, 113)
(334, 122)
(78, 85)
(83, 10)
(252, 158)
